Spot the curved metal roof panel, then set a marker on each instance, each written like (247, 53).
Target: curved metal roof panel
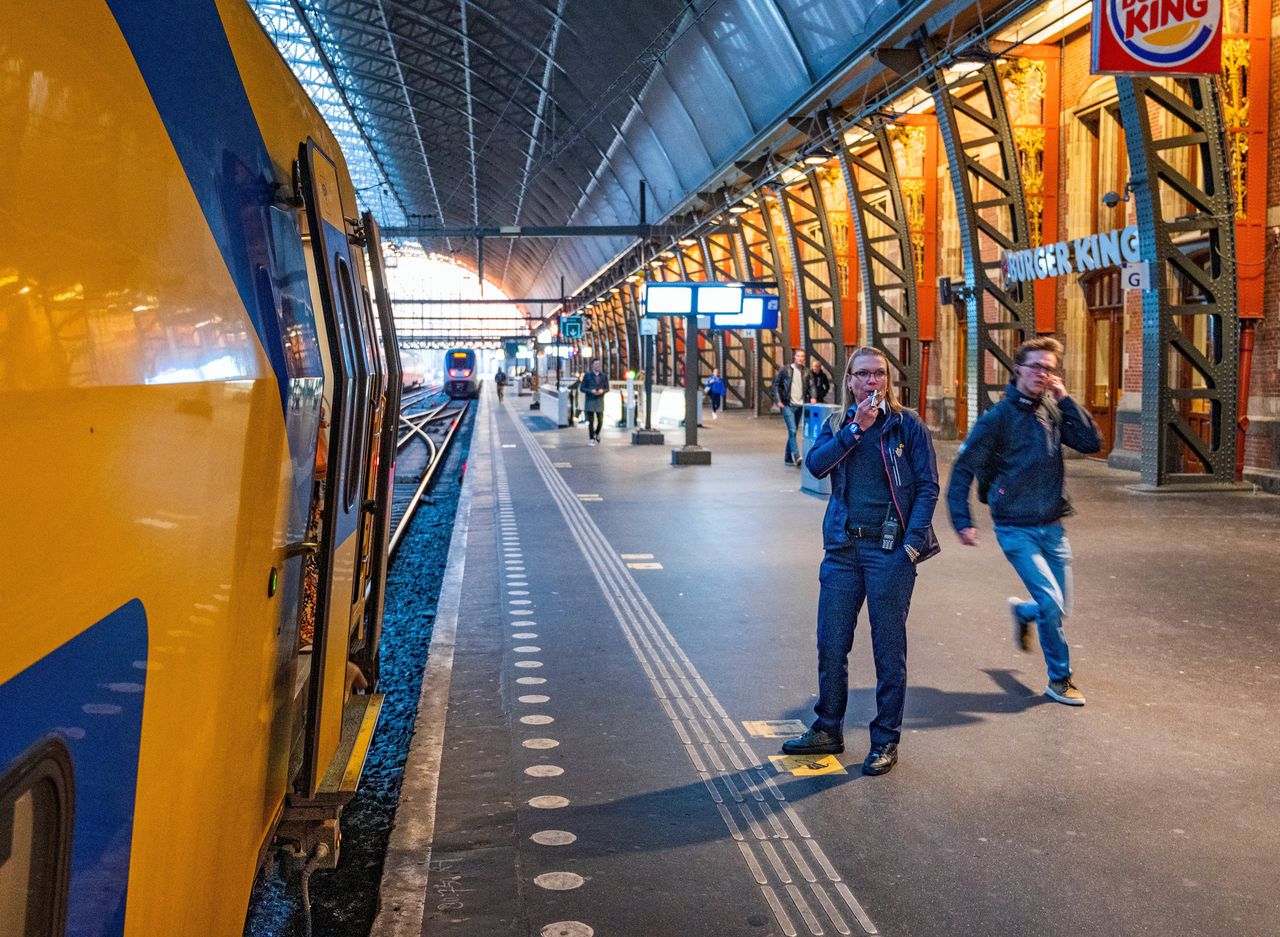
(501, 112)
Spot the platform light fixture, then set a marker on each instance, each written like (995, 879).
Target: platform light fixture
(819, 155)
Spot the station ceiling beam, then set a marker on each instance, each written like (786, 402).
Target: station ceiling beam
(650, 231)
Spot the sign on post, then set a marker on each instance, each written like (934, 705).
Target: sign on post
(1171, 37)
(571, 327)
(1134, 276)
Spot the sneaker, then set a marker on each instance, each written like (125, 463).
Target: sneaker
(814, 742)
(881, 759)
(1021, 627)
(1064, 691)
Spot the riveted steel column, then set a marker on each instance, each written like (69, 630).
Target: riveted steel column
(758, 245)
(630, 325)
(693, 266)
(885, 257)
(670, 332)
(620, 338)
(993, 218)
(813, 265)
(1183, 291)
(723, 263)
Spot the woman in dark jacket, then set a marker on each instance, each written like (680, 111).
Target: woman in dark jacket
(884, 487)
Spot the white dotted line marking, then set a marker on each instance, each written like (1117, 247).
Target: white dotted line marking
(559, 881)
(549, 802)
(567, 929)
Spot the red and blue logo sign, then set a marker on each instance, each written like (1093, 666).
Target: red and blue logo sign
(1181, 37)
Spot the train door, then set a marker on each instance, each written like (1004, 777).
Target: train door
(1104, 343)
(384, 479)
(341, 513)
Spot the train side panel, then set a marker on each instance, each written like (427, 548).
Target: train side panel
(140, 388)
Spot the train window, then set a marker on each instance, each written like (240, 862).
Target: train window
(36, 808)
(358, 409)
(292, 286)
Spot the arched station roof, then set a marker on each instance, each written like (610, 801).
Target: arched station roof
(485, 113)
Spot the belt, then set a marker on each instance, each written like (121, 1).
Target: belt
(863, 533)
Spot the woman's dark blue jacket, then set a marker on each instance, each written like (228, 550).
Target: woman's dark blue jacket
(906, 451)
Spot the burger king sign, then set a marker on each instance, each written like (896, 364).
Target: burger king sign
(1179, 37)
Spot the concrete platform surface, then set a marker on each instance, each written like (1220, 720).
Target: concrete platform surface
(629, 634)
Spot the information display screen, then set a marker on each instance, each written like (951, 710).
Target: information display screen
(668, 299)
(687, 299)
(718, 300)
(759, 311)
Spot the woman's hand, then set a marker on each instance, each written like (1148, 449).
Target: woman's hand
(867, 411)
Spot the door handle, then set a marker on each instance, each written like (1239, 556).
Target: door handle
(302, 548)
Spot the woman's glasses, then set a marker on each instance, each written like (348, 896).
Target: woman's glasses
(867, 375)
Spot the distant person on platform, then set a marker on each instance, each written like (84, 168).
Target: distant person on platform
(593, 387)
(500, 382)
(1015, 452)
(715, 390)
(878, 526)
(816, 384)
(788, 396)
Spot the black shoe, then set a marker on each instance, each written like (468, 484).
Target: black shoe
(814, 742)
(881, 758)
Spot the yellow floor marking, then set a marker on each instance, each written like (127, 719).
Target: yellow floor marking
(590, 498)
(774, 728)
(644, 566)
(636, 556)
(561, 465)
(804, 766)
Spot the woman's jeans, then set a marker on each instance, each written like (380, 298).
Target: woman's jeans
(1041, 557)
(595, 419)
(884, 580)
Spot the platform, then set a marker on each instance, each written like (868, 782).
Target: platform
(618, 639)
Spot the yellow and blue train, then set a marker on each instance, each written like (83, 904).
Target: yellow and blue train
(199, 388)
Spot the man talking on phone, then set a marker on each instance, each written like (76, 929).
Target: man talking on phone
(1015, 449)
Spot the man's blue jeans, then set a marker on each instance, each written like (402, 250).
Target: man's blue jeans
(1041, 556)
(884, 580)
(792, 416)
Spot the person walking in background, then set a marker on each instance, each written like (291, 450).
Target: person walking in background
(878, 526)
(816, 383)
(500, 382)
(1015, 451)
(593, 387)
(788, 396)
(715, 390)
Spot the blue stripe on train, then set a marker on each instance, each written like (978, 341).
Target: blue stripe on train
(185, 59)
(89, 694)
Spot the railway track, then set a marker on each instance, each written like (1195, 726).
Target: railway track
(428, 422)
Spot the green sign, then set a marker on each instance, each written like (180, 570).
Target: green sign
(571, 327)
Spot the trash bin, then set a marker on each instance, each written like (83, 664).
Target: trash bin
(815, 414)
